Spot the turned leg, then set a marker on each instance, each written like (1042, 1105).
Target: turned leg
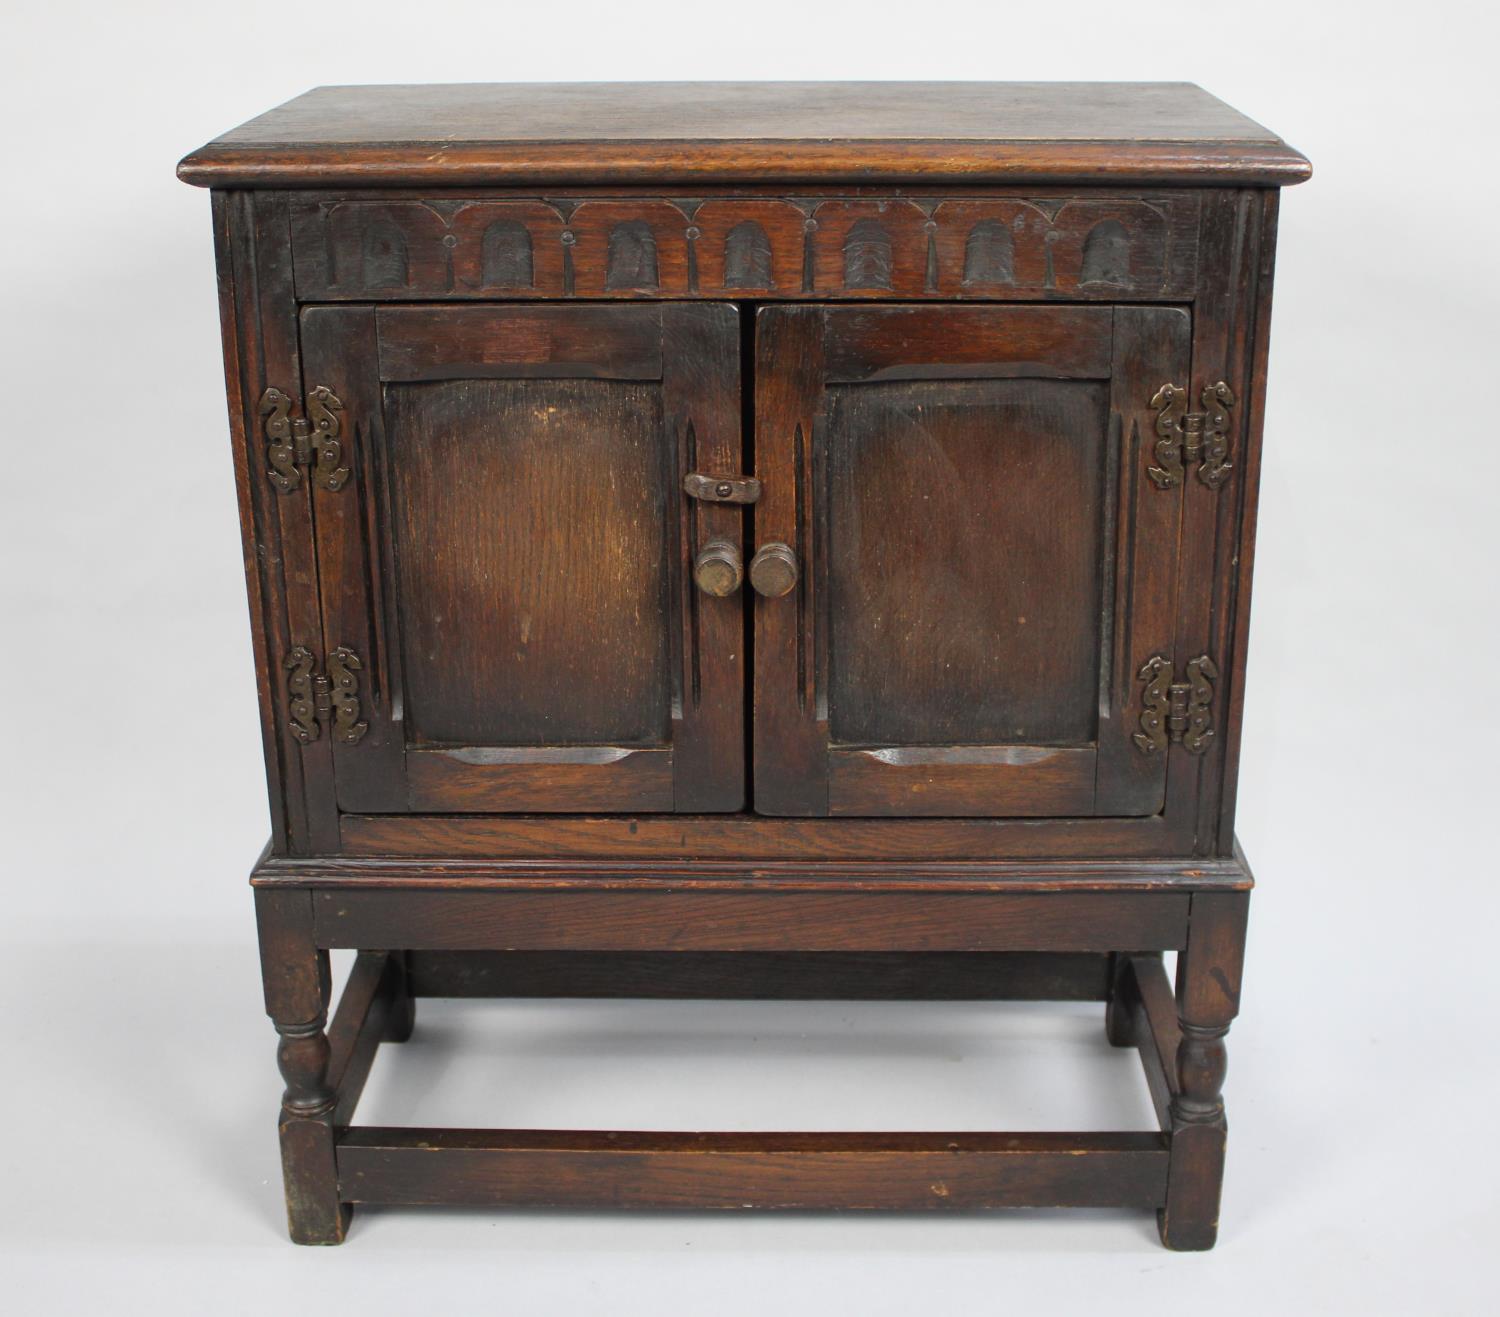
(1208, 998)
(402, 1018)
(297, 991)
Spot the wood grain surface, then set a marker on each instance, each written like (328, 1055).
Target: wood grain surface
(496, 133)
(620, 1168)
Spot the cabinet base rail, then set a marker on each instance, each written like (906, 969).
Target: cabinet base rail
(767, 1171)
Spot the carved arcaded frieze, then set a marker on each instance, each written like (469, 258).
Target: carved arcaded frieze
(1094, 248)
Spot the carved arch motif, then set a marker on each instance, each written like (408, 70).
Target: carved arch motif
(989, 254)
(1106, 254)
(383, 257)
(747, 257)
(867, 255)
(632, 256)
(506, 259)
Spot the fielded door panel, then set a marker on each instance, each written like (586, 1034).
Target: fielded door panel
(982, 565)
(509, 559)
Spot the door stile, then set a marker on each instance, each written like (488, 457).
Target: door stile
(341, 351)
(1151, 347)
(701, 397)
(789, 729)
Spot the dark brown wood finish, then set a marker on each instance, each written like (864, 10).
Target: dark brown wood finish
(295, 972)
(1218, 544)
(498, 452)
(895, 842)
(756, 920)
(989, 245)
(1141, 591)
(256, 293)
(1237, 556)
(671, 132)
(766, 975)
(355, 570)
(482, 463)
(234, 260)
(749, 540)
(797, 1172)
(983, 565)
(354, 872)
(1208, 999)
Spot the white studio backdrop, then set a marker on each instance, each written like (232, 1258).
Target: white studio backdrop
(138, 1152)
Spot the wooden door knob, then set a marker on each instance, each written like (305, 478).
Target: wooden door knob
(718, 568)
(773, 570)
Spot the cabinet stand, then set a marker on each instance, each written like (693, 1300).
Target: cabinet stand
(995, 935)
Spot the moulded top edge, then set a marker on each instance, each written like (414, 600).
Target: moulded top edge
(817, 133)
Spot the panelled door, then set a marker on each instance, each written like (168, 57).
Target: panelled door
(967, 563)
(508, 561)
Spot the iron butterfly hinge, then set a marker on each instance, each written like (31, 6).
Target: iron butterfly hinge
(1184, 437)
(1180, 711)
(309, 440)
(325, 699)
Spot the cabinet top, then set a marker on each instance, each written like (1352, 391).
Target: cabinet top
(561, 134)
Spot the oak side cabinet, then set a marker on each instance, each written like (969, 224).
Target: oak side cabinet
(749, 541)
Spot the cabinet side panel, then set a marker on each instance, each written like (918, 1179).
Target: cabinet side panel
(267, 616)
(284, 595)
(280, 360)
(1223, 332)
(1243, 564)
